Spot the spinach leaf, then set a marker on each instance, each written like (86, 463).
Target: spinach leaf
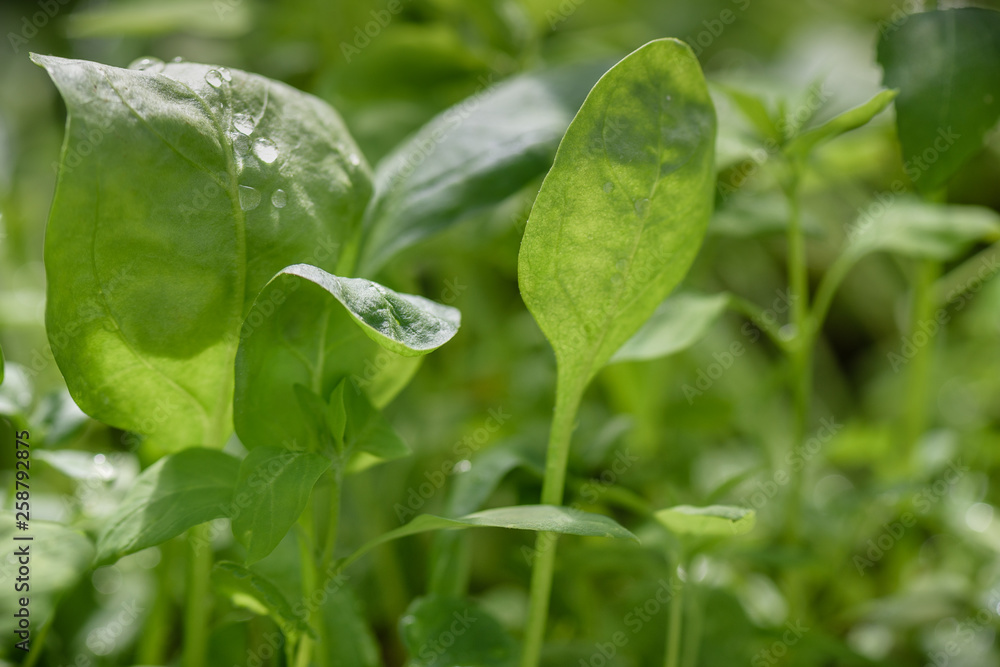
(318, 330)
(621, 214)
(198, 184)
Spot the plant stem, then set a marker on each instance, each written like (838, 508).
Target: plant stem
(196, 606)
(673, 649)
(307, 562)
(756, 315)
(801, 352)
(567, 403)
(914, 417)
(153, 640)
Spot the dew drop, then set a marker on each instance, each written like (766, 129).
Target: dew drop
(609, 186)
(355, 159)
(225, 74)
(177, 59)
(214, 78)
(668, 98)
(279, 198)
(642, 206)
(243, 123)
(152, 65)
(265, 150)
(249, 198)
(241, 144)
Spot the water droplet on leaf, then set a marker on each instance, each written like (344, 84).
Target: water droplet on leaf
(151, 65)
(279, 198)
(642, 206)
(241, 144)
(249, 198)
(243, 123)
(214, 78)
(177, 59)
(355, 159)
(226, 74)
(265, 150)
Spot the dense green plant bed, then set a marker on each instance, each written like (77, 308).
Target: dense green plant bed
(704, 349)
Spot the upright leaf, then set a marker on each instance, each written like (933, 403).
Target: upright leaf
(325, 329)
(470, 156)
(843, 122)
(946, 65)
(182, 190)
(272, 491)
(621, 214)
(175, 493)
(257, 593)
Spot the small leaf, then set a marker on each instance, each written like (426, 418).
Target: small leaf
(841, 123)
(368, 430)
(177, 492)
(946, 65)
(472, 155)
(548, 518)
(680, 322)
(753, 109)
(922, 230)
(336, 413)
(622, 213)
(311, 406)
(255, 592)
(272, 491)
(711, 521)
(478, 638)
(319, 331)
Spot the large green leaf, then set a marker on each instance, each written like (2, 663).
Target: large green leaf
(177, 492)
(680, 322)
(621, 215)
(273, 488)
(260, 595)
(946, 65)
(711, 521)
(323, 329)
(918, 229)
(182, 190)
(447, 631)
(470, 156)
(549, 518)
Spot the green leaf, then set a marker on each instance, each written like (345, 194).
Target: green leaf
(754, 110)
(367, 430)
(471, 156)
(711, 521)
(621, 215)
(177, 492)
(841, 123)
(1, 365)
(680, 322)
(946, 65)
(182, 190)
(548, 518)
(351, 640)
(336, 413)
(922, 230)
(257, 593)
(475, 637)
(272, 491)
(320, 329)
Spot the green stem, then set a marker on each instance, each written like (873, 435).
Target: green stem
(37, 645)
(962, 278)
(152, 643)
(567, 403)
(196, 607)
(828, 285)
(915, 408)
(695, 623)
(756, 315)
(307, 563)
(801, 352)
(673, 649)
